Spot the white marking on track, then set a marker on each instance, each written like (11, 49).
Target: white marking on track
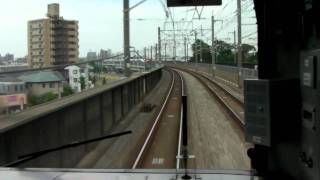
(170, 116)
(158, 161)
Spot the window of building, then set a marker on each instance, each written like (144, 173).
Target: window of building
(21, 88)
(16, 88)
(75, 72)
(51, 85)
(43, 85)
(75, 80)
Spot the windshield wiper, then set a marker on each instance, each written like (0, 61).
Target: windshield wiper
(28, 157)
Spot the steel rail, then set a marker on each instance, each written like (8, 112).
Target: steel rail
(145, 144)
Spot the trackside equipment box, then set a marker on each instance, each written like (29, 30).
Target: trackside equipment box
(272, 110)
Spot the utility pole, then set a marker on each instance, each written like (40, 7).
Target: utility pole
(151, 53)
(156, 52)
(196, 47)
(212, 47)
(185, 49)
(201, 52)
(126, 37)
(239, 41)
(174, 42)
(235, 46)
(145, 57)
(159, 43)
(165, 51)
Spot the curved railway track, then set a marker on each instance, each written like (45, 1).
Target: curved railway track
(232, 104)
(163, 142)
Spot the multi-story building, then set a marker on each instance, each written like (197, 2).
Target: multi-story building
(91, 56)
(53, 40)
(104, 54)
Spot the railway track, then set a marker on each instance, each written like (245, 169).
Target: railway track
(163, 142)
(233, 106)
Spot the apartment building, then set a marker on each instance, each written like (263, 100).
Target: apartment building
(53, 40)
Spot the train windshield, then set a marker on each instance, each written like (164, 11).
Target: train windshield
(126, 85)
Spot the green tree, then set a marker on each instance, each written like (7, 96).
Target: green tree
(95, 66)
(33, 100)
(46, 97)
(224, 52)
(249, 54)
(82, 83)
(203, 48)
(67, 90)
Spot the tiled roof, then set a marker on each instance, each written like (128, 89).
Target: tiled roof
(42, 76)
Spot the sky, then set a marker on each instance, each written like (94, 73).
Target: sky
(101, 25)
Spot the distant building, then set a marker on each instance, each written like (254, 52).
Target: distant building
(22, 60)
(52, 41)
(91, 56)
(6, 59)
(12, 95)
(13, 67)
(104, 54)
(75, 74)
(40, 82)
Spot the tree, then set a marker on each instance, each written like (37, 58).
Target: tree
(249, 54)
(82, 83)
(46, 97)
(224, 53)
(67, 90)
(205, 49)
(95, 66)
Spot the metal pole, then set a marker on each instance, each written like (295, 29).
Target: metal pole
(212, 47)
(145, 57)
(201, 52)
(165, 51)
(151, 53)
(185, 49)
(235, 46)
(174, 42)
(126, 37)
(239, 42)
(159, 43)
(156, 52)
(196, 47)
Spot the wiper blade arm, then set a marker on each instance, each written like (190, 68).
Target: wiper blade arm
(28, 157)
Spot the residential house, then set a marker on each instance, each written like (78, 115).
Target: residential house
(41, 82)
(75, 75)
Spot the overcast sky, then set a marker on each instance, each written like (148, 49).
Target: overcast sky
(101, 27)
